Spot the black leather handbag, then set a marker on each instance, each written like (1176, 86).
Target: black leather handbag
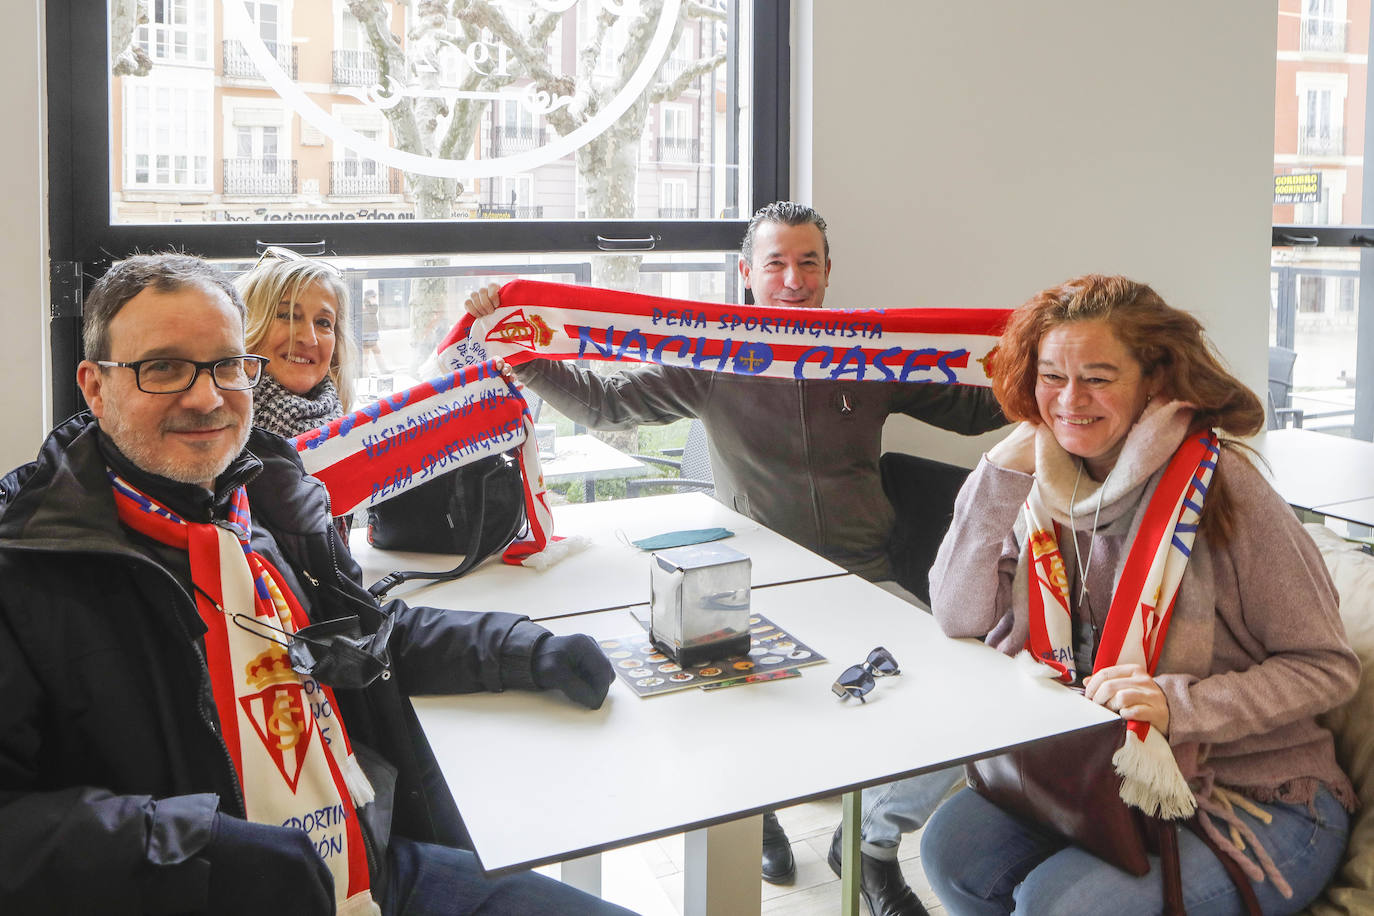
(475, 509)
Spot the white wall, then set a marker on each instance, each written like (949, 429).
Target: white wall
(24, 399)
(971, 154)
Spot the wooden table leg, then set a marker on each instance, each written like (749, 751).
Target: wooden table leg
(721, 870)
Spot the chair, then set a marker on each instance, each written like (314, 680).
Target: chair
(693, 466)
(922, 492)
(1278, 410)
(533, 401)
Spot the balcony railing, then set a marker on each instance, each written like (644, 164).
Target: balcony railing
(679, 149)
(238, 64)
(677, 212)
(506, 139)
(363, 178)
(1327, 142)
(355, 68)
(672, 68)
(1323, 35)
(260, 176)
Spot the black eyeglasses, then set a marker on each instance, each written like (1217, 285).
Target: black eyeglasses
(169, 375)
(859, 680)
(286, 254)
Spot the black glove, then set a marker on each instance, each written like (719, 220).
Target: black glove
(257, 865)
(575, 665)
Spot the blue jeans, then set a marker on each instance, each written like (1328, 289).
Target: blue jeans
(981, 860)
(901, 807)
(425, 879)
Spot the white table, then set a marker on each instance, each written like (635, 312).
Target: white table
(587, 458)
(1317, 472)
(608, 573)
(1359, 511)
(554, 781)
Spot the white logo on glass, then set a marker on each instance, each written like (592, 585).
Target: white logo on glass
(239, 25)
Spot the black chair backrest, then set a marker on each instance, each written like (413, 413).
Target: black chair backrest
(922, 492)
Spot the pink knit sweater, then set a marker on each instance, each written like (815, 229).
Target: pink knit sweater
(1255, 649)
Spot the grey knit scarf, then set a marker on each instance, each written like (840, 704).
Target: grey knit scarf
(289, 414)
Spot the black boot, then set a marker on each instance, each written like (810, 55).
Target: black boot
(881, 883)
(778, 865)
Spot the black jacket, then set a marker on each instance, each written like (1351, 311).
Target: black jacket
(111, 763)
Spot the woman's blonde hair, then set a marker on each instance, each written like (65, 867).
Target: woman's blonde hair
(273, 282)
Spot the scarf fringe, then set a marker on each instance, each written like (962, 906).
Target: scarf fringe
(555, 550)
(1150, 778)
(359, 786)
(1034, 669)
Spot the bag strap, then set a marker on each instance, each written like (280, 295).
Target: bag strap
(1170, 872)
(471, 557)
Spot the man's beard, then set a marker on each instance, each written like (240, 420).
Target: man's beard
(148, 456)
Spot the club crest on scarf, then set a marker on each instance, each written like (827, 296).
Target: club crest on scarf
(554, 321)
(531, 333)
(279, 712)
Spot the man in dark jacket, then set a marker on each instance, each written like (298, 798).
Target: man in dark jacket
(800, 456)
(124, 787)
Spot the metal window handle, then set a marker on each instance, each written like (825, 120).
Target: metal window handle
(645, 244)
(314, 248)
(1299, 239)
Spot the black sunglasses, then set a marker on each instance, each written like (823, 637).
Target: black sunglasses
(859, 680)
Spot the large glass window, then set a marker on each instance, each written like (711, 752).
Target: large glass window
(1322, 304)
(167, 138)
(591, 102)
(174, 31)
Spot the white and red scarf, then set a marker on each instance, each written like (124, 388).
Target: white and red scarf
(387, 447)
(1138, 620)
(379, 451)
(283, 730)
(553, 321)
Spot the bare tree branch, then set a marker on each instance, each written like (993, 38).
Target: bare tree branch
(665, 91)
(129, 58)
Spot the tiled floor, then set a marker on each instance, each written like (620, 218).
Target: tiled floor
(648, 878)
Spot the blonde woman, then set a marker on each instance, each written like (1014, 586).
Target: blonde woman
(298, 319)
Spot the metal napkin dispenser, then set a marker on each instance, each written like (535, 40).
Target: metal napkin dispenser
(699, 602)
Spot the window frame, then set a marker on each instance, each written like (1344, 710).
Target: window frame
(79, 157)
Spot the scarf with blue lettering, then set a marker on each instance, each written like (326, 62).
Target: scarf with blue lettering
(282, 729)
(385, 448)
(552, 321)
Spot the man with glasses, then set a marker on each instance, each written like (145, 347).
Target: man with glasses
(800, 456)
(202, 711)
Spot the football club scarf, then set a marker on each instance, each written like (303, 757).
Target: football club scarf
(283, 730)
(381, 450)
(554, 321)
(1138, 620)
